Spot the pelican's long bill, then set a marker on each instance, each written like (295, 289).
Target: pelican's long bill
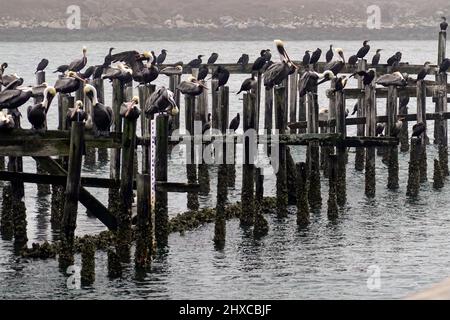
(283, 53)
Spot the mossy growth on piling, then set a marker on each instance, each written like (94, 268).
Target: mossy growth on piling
(412, 189)
(359, 159)
(438, 178)
(6, 219)
(370, 182)
(114, 201)
(443, 159)
(261, 227)
(332, 205)
(87, 262)
(220, 219)
(341, 176)
(423, 167)
(393, 168)
(302, 195)
(20, 223)
(248, 196)
(192, 197)
(114, 265)
(57, 206)
(2, 163)
(291, 178)
(203, 178)
(124, 234)
(42, 251)
(314, 190)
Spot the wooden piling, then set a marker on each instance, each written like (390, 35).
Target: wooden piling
(293, 98)
(301, 109)
(261, 225)
(222, 195)
(393, 150)
(360, 130)
(438, 178)
(6, 219)
(174, 81)
(412, 189)
(421, 117)
(268, 115)
(191, 168)
(371, 124)
(201, 114)
(144, 234)
(332, 209)
(145, 91)
(442, 127)
(442, 43)
(114, 265)
(69, 220)
(100, 87)
(161, 174)
(302, 194)
(341, 150)
(404, 135)
(214, 104)
(281, 175)
(87, 262)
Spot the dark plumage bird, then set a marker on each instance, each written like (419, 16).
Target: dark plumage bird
(3, 67)
(102, 116)
(213, 58)
(62, 69)
(306, 58)
(397, 127)
(393, 79)
(418, 129)
(42, 65)
(207, 124)
(88, 72)
(221, 74)
(315, 56)
(98, 72)
(37, 114)
(444, 24)
(196, 62)
(266, 66)
(336, 66)
(161, 57)
(310, 80)
(234, 124)
(69, 83)
(14, 84)
(355, 108)
(379, 129)
(394, 60)
(162, 100)
(202, 72)
(248, 84)
(12, 99)
(171, 70)
(260, 61)
(108, 59)
(7, 122)
(367, 76)
(444, 66)
(244, 59)
(403, 101)
(353, 60)
(144, 74)
(121, 73)
(279, 71)
(341, 82)
(329, 55)
(130, 110)
(376, 58)
(424, 71)
(363, 50)
(79, 64)
(76, 113)
(191, 87)
(7, 79)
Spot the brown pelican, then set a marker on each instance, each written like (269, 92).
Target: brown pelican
(12, 99)
(196, 62)
(213, 58)
(397, 127)
(62, 69)
(243, 60)
(42, 65)
(143, 74)
(76, 113)
(191, 87)
(79, 64)
(14, 84)
(88, 73)
(444, 66)
(393, 79)
(222, 75)
(202, 72)
(444, 24)
(248, 84)
(279, 71)
(424, 72)
(394, 60)
(376, 58)
(323, 114)
(161, 57)
(102, 115)
(37, 114)
(363, 50)
(3, 67)
(6, 79)
(169, 71)
(329, 55)
(108, 59)
(6, 122)
(71, 82)
(341, 82)
(336, 66)
(310, 80)
(234, 124)
(367, 76)
(315, 56)
(418, 129)
(121, 73)
(306, 58)
(162, 100)
(130, 110)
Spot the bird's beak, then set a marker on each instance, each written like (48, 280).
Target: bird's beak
(79, 78)
(130, 107)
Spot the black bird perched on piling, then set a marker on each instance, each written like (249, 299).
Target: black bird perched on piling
(248, 84)
(444, 66)
(403, 101)
(130, 110)
(76, 113)
(221, 74)
(71, 82)
(355, 108)
(336, 66)
(329, 55)
(393, 79)
(88, 73)
(191, 86)
(79, 64)
(444, 24)
(260, 61)
(207, 125)
(363, 50)
(161, 57)
(367, 76)
(234, 124)
(98, 72)
(213, 58)
(376, 58)
(162, 100)
(62, 69)
(196, 62)
(202, 72)
(340, 83)
(102, 116)
(394, 60)
(310, 80)
(315, 56)
(143, 74)
(379, 129)
(424, 71)
(12, 99)
(243, 60)
(42, 65)
(418, 129)
(6, 122)
(306, 58)
(353, 60)
(279, 71)
(108, 58)
(37, 114)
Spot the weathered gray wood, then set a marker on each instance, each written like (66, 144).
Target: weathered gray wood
(302, 108)
(422, 117)
(174, 81)
(214, 104)
(359, 155)
(443, 125)
(371, 124)
(191, 168)
(293, 98)
(117, 100)
(145, 91)
(341, 151)
(412, 189)
(201, 115)
(161, 174)
(302, 194)
(281, 175)
(144, 229)
(442, 42)
(332, 208)
(392, 155)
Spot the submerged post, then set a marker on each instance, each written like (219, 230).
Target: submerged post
(191, 168)
(412, 189)
(442, 128)
(341, 150)
(421, 118)
(144, 234)
(280, 125)
(332, 210)
(302, 194)
(392, 150)
(371, 124)
(360, 131)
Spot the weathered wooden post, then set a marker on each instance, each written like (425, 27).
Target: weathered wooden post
(281, 175)
(69, 221)
(191, 168)
(6, 219)
(301, 109)
(87, 262)
(100, 87)
(412, 189)
(145, 91)
(392, 150)
(360, 130)
(261, 225)
(293, 98)
(421, 117)
(144, 232)
(201, 114)
(403, 111)
(341, 150)
(371, 124)
(332, 199)
(438, 178)
(114, 265)
(268, 115)
(442, 42)
(327, 150)
(215, 104)
(174, 81)
(248, 169)
(222, 194)
(442, 137)
(161, 163)
(302, 194)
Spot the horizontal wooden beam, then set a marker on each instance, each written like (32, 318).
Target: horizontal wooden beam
(354, 93)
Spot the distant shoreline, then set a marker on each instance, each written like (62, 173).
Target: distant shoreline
(229, 34)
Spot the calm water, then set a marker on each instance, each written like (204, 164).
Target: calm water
(407, 240)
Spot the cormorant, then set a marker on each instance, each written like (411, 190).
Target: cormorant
(376, 58)
(42, 65)
(393, 79)
(341, 82)
(37, 114)
(161, 57)
(88, 73)
(260, 61)
(6, 122)
(279, 71)
(444, 24)
(98, 72)
(418, 129)
(3, 67)
(379, 129)
(395, 59)
(336, 66)
(397, 127)
(315, 56)
(162, 100)
(121, 73)
(76, 113)
(62, 69)
(444, 66)
(213, 58)
(363, 50)
(234, 124)
(244, 59)
(248, 84)
(130, 110)
(196, 62)
(102, 115)
(329, 55)
(191, 87)
(353, 60)
(202, 72)
(108, 59)
(403, 101)
(310, 80)
(143, 74)
(221, 74)
(424, 72)
(367, 76)
(79, 64)
(71, 82)
(306, 58)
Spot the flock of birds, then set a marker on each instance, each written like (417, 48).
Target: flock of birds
(145, 67)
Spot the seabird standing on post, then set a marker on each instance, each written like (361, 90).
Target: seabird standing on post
(310, 80)
(261, 61)
(376, 58)
(130, 110)
(102, 115)
(341, 82)
(221, 74)
(12, 99)
(397, 127)
(71, 82)
(37, 114)
(191, 86)
(161, 57)
(424, 72)
(306, 58)
(234, 124)
(162, 100)
(202, 72)
(352, 60)
(62, 69)
(363, 50)
(367, 76)
(6, 122)
(418, 129)
(444, 24)
(42, 65)
(394, 60)
(315, 56)
(336, 66)
(121, 73)
(79, 64)
(329, 55)
(76, 113)
(196, 62)
(108, 59)
(213, 58)
(444, 66)
(248, 84)
(393, 79)
(279, 71)
(243, 60)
